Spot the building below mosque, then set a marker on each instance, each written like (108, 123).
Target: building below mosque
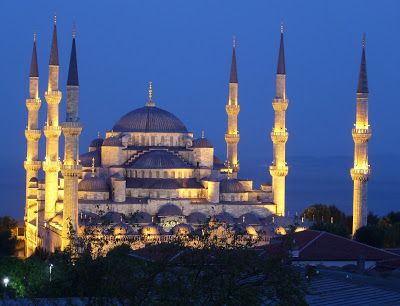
(149, 176)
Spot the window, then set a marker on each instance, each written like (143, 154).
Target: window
(153, 140)
(173, 174)
(171, 140)
(150, 174)
(165, 174)
(157, 174)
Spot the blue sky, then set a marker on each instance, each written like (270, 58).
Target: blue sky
(184, 47)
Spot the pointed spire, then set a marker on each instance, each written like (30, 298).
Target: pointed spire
(150, 101)
(362, 78)
(281, 57)
(54, 45)
(34, 72)
(233, 77)
(73, 65)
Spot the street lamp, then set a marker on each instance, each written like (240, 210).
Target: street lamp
(50, 268)
(6, 280)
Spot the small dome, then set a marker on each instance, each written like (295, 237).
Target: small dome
(169, 210)
(96, 143)
(225, 217)
(150, 119)
(142, 217)
(202, 143)
(159, 159)
(113, 141)
(231, 186)
(87, 158)
(250, 230)
(122, 229)
(197, 218)
(151, 229)
(250, 219)
(182, 229)
(93, 184)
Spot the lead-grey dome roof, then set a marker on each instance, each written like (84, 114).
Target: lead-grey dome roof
(202, 143)
(231, 186)
(149, 119)
(93, 184)
(159, 159)
(169, 210)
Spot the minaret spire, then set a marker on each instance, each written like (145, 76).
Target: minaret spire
(233, 76)
(32, 164)
(279, 134)
(232, 136)
(281, 69)
(361, 135)
(54, 45)
(34, 71)
(362, 78)
(72, 129)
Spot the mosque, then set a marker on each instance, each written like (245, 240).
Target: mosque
(150, 175)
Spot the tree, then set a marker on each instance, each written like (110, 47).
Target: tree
(372, 235)
(7, 241)
(337, 229)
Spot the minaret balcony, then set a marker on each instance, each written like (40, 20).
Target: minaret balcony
(360, 174)
(232, 138)
(32, 134)
(51, 166)
(53, 96)
(232, 109)
(278, 170)
(361, 135)
(71, 128)
(279, 104)
(279, 136)
(71, 170)
(52, 131)
(33, 165)
(33, 104)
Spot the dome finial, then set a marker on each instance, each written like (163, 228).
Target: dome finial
(74, 30)
(93, 167)
(150, 101)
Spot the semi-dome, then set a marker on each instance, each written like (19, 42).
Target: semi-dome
(159, 159)
(150, 119)
(225, 218)
(93, 184)
(231, 186)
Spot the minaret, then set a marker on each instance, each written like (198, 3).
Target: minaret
(232, 136)
(32, 132)
(361, 134)
(52, 131)
(71, 169)
(279, 134)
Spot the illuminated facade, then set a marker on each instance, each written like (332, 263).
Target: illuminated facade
(148, 175)
(361, 134)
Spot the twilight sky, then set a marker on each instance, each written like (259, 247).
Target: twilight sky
(184, 47)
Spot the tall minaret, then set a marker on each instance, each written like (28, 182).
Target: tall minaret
(232, 136)
(361, 135)
(279, 134)
(71, 169)
(32, 132)
(52, 131)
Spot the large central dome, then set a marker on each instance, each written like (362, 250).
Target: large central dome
(150, 119)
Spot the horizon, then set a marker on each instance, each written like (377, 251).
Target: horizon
(188, 60)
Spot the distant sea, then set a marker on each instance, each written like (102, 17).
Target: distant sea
(311, 180)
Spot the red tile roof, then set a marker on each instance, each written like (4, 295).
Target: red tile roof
(323, 246)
